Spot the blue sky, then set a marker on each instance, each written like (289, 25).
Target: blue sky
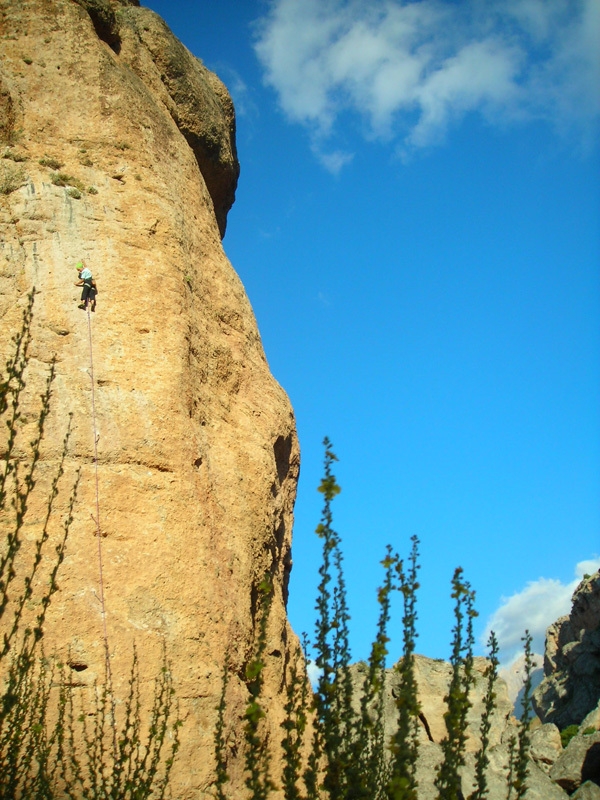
(417, 225)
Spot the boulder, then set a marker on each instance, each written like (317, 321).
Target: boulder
(545, 746)
(587, 791)
(579, 762)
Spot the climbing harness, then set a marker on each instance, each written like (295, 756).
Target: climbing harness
(97, 517)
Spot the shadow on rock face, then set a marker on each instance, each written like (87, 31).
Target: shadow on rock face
(590, 770)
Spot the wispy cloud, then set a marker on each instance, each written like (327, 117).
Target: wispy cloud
(534, 608)
(411, 69)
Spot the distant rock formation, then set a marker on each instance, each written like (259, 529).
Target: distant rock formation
(571, 686)
(433, 677)
(118, 147)
(514, 677)
(569, 694)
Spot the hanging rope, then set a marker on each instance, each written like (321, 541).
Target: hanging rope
(97, 517)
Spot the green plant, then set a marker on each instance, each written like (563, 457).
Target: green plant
(402, 783)
(568, 733)
(448, 781)
(24, 743)
(519, 745)
(294, 725)
(332, 655)
(61, 179)
(368, 751)
(28, 60)
(348, 756)
(73, 192)
(257, 756)
(51, 162)
(489, 702)
(92, 190)
(11, 178)
(103, 752)
(10, 154)
(588, 731)
(222, 775)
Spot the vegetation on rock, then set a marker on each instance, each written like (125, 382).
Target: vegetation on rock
(348, 756)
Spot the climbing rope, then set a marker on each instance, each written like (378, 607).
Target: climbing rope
(97, 517)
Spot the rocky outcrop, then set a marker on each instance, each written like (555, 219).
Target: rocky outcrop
(554, 773)
(579, 763)
(569, 694)
(571, 686)
(118, 147)
(514, 677)
(433, 678)
(545, 746)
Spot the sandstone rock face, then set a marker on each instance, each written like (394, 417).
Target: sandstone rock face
(571, 687)
(197, 451)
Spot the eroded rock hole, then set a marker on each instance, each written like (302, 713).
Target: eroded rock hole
(77, 666)
(104, 21)
(282, 450)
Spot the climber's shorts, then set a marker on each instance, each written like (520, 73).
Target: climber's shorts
(86, 292)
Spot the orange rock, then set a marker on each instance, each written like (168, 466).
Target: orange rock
(197, 449)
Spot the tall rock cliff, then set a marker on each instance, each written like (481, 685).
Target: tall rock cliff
(118, 148)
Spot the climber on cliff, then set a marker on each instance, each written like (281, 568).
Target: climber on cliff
(89, 291)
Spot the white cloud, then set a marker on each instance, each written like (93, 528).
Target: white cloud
(314, 673)
(536, 607)
(333, 161)
(409, 69)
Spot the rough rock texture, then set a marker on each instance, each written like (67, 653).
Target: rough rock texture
(540, 787)
(433, 677)
(587, 791)
(571, 687)
(546, 746)
(198, 457)
(592, 720)
(578, 763)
